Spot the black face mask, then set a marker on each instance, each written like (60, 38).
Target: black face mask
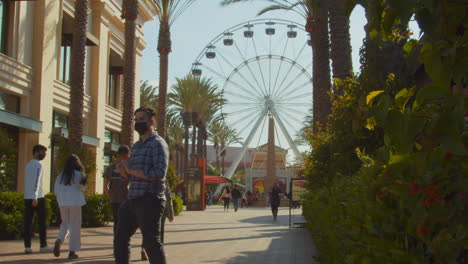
(141, 127)
(40, 156)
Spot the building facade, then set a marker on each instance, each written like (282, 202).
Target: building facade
(35, 47)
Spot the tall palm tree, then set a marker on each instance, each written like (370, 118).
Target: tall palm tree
(227, 137)
(175, 134)
(129, 13)
(340, 41)
(75, 125)
(148, 95)
(315, 13)
(200, 97)
(169, 11)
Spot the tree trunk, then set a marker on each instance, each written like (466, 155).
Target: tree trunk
(187, 121)
(200, 140)
(340, 41)
(223, 153)
(164, 48)
(78, 61)
(130, 13)
(317, 27)
(194, 144)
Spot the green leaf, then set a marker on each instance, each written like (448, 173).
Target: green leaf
(371, 96)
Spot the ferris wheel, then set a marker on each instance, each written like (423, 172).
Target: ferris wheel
(264, 69)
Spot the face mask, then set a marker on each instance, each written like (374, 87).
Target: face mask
(40, 156)
(141, 127)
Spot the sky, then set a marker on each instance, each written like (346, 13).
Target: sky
(206, 19)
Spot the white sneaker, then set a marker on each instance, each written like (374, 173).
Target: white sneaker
(27, 250)
(46, 249)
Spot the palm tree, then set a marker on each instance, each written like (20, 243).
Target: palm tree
(182, 99)
(227, 137)
(78, 75)
(340, 40)
(315, 14)
(176, 139)
(129, 13)
(201, 98)
(169, 11)
(148, 95)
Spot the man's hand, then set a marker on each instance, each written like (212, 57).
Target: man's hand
(34, 202)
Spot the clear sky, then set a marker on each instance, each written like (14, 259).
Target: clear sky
(206, 19)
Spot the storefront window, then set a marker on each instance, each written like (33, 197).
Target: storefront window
(9, 102)
(60, 120)
(4, 18)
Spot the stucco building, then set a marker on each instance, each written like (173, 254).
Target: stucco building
(35, 47)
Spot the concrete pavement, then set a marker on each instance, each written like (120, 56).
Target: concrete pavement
(212, 236)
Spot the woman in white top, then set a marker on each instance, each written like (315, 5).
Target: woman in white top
(227, 196)
(69, 187)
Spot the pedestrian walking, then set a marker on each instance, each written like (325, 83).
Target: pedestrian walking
(226, 196)
(274, 200)
(244, 200)
(68, 188)
(236, 195)
(146, 201)
(34, 201)
(116, 185)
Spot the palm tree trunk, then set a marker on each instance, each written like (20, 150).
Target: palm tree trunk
(78, 75)
(187, 121)
(217, 157)
(164, 48)
(223, 153)
(340, 41)
(130, 13)
(194, 142)
(317, 27)
(200, 140)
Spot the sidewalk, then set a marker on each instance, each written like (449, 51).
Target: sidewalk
(213, 236)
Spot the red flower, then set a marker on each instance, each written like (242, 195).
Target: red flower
(433, 190)
(448, 155)
(421, 230)
(381, 192)
(429, 201)
(414, 188)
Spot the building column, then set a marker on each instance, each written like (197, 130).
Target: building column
(39, 103)
(99, 73)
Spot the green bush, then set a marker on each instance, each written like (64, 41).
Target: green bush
(54, 216)
(8, 159)
(11, 215)
(97, 211)
(177, 204)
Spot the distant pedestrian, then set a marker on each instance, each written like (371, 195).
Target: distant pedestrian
(236, 195)
(275, 200)
(69, 187)
(244, 200)
(226, 196)
(34, 201)
(116, 184)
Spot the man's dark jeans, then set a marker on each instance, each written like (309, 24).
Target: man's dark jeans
(28, 220)
(115, 214)
(144, 213)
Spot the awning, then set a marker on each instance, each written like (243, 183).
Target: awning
(88, 140)
(18, 120)
(216, 180)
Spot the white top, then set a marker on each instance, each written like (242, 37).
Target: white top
(33, 180)
(70, 195)
(226, 195)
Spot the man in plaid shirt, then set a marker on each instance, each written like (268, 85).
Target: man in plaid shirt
(146, 172)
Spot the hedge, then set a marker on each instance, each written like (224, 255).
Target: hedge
(177, 204)
(95, 213)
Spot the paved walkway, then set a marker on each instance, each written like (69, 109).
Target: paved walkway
(248, 236)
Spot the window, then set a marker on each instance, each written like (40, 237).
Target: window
(9, 102)
(112, 90)
(60, 120)
(65, 61)
(4, 19)
(114, 80)
(111, 137)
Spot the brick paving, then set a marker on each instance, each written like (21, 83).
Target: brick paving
(212, 236)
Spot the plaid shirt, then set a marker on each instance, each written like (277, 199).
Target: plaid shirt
(150, 156)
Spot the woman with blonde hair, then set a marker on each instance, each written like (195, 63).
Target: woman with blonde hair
(69, 187)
